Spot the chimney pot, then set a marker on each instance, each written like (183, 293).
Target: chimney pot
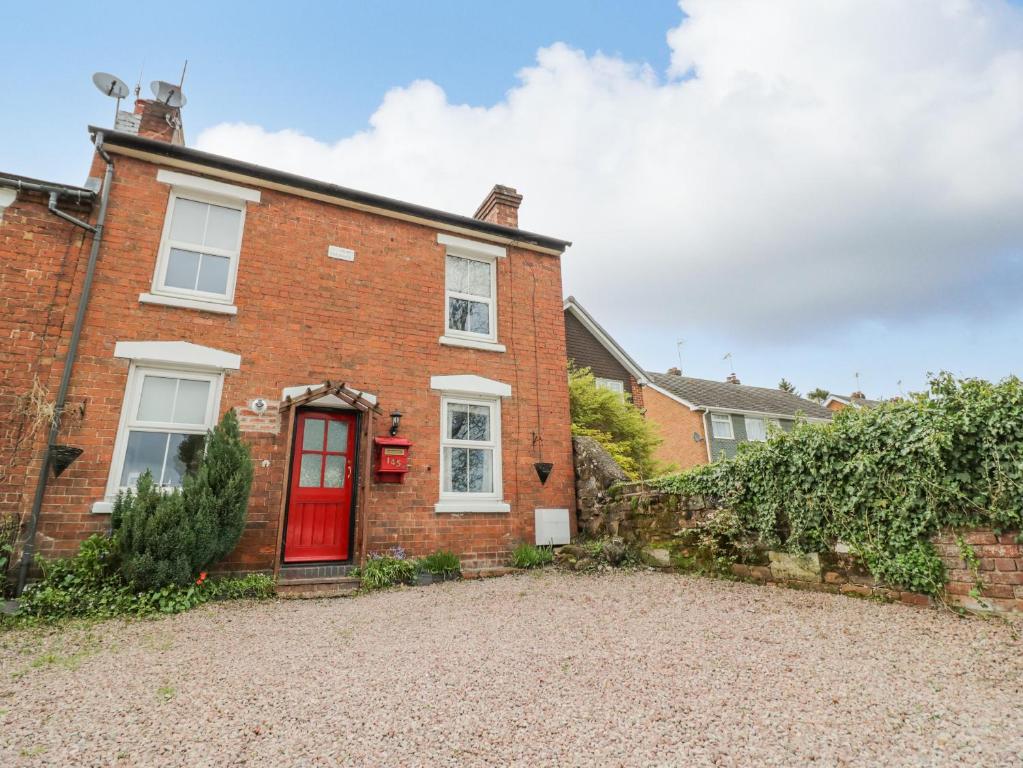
(501, 206)
(857, 396)
(674, 371)
(733, 379)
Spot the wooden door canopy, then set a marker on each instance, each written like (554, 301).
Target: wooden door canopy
(341, 391)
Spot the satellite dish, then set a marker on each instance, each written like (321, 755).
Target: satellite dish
(168, 93)
(110, 85)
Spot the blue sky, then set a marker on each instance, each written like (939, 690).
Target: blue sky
(820, 190)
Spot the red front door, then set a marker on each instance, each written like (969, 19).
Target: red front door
(320, 504)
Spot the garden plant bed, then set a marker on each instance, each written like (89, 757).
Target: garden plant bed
(542, 668)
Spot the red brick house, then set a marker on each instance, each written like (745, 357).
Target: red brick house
(220, 284)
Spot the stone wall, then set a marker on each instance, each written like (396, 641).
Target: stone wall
(664, 528)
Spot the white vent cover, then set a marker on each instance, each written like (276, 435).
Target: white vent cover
(552, 527)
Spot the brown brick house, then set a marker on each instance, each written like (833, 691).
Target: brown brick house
(220, 284)
(698, 420)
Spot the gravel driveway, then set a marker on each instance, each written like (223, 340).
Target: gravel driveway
(544, 669)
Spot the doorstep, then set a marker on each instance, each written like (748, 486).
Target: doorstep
(303, 581)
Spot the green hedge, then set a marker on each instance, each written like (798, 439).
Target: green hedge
(881, 480)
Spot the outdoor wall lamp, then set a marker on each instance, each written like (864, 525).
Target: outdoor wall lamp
(395, 422)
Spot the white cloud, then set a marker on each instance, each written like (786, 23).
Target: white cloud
(802, 163)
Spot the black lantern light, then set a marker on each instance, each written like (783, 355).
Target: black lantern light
(395, 422)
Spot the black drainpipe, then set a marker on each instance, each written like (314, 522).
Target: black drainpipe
(65, 380)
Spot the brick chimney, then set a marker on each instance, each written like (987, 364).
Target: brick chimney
(155, 120)
(500, 207)
(733, 379)
(857, 396)
(674, 371)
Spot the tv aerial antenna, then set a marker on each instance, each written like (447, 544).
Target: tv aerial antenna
(112, 86)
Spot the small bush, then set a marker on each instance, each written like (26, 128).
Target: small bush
(10, 525)
(387, 570)
(531, 556)
(89, 585)
(443, 563)
(166, 539)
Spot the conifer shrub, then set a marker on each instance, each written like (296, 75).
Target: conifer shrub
(168, 538)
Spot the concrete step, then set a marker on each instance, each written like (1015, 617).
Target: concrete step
(325, 586)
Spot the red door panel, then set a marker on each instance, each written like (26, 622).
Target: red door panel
(320, 501)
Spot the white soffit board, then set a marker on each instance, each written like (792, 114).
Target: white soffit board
(552, 527)
(468, 384)
(177, 353)
(201, 184)
(471, 247)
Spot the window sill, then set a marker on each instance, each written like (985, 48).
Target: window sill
(464, 507)
(102, 507)
(487, 346)
(199, 304)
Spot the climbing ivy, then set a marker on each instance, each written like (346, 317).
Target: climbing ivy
(881, 480)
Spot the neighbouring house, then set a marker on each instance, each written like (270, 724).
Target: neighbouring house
(397, 370)
(590, 346)
(702, 420)
(855, 400)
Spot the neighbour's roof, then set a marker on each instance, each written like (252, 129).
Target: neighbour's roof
(359, 198)
(858, 402)
(604, 338)
(705, 393)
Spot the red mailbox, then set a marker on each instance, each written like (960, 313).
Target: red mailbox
(392, 459)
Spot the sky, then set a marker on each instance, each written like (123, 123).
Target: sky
(826, 192)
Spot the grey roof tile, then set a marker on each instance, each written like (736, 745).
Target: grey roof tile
(705, 393)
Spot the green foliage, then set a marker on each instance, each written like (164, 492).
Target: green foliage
(90, 585)
(531, 556)
(818, 394)
(881, 480)
(10, 525)
(167, 538)
(616, 424)
(787, 386)
(442, 563)
(387, 570)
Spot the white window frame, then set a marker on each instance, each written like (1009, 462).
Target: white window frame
(490, 301)
(486, 253)
(764, 422)
(720, 419)
(166, 244)
(493, 444)
(128, 422)
(613, 385)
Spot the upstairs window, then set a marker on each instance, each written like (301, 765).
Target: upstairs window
(721, 426)
(614, 385)
(470, 289)
(199, 254)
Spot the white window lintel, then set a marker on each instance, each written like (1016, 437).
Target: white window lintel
(177, 353)
(466, 247)
(468, 384)
(210, 187)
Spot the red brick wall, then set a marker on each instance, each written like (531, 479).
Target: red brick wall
(675, 425)
(303, 318)
(999, 571)
(41, 256)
